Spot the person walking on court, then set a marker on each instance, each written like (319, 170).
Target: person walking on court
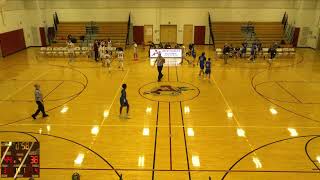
(135, 51)
(272, 51)
(39, 101)
(194, 55)
(106, 59)
(123, 99)
(159, 61)
(202, 60)
(208, 68)
(253, 53)
(120, 58)
(70, 47)
(226, 51)
(96, 50)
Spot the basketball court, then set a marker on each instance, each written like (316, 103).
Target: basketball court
(251, 121)
(255, 119)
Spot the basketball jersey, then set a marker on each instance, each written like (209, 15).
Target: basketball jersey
(70, 47)
(106, 56)
(202, 60)
(135, 47)
(102, 50)
(123, 97)
(193, 52)
(120, 55)
(208, 65)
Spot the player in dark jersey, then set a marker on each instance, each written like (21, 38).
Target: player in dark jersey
(193, 54)
(226, 52)
(244, 49)
(208, 68)
(202, 61)
(253, 53)
(123, 99)
(237, 52)
(272, 51)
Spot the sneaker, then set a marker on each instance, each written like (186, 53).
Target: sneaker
(33, 116)
(127, 116)
(46, 115)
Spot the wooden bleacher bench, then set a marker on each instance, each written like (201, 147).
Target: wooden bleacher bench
(116, 31)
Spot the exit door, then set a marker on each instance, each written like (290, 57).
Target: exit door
(0, 51)
(138, 34)
(199, 35)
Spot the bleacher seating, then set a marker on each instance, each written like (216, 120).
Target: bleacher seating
(268, 32)
(227, 32)
(76, 29)
(230, 32)
(281, 53)
(116, 31)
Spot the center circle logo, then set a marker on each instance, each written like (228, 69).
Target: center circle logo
(169, 91)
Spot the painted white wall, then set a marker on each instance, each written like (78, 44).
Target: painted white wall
(102, 4)
(31, 14)
(306, 18)
(157, 12)
(14, 16)
(178, 16)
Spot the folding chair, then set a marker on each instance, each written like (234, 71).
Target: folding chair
(55, 51)
(65, 52)
(43, 51)
(49, 51)
(285, 52)
(84, 51)
(77, 51)
(292, 51)
(279, 52)
(248, 52)
(219, 52)
(60, 51)
(265, 52)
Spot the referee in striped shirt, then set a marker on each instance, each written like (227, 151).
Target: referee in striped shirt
(39, 101)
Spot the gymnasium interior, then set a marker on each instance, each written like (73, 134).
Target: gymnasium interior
(249, 116)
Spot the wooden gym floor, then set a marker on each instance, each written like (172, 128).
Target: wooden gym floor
(251, 121)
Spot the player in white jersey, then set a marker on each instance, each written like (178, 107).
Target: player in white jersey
(109, 43)
(120, 58)
(135, 51)
(70, 47)
(102, 51)
(106, 59)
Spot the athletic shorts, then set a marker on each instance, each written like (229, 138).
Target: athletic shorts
(208, 71)
(202, 66)
(124, 103)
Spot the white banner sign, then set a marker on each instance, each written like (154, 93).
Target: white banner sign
(166, 53)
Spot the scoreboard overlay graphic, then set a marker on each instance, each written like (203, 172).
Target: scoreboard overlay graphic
(20, 159)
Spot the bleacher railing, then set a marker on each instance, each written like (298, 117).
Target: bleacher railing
(211, 31)
(128, 31)
(91, 30)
